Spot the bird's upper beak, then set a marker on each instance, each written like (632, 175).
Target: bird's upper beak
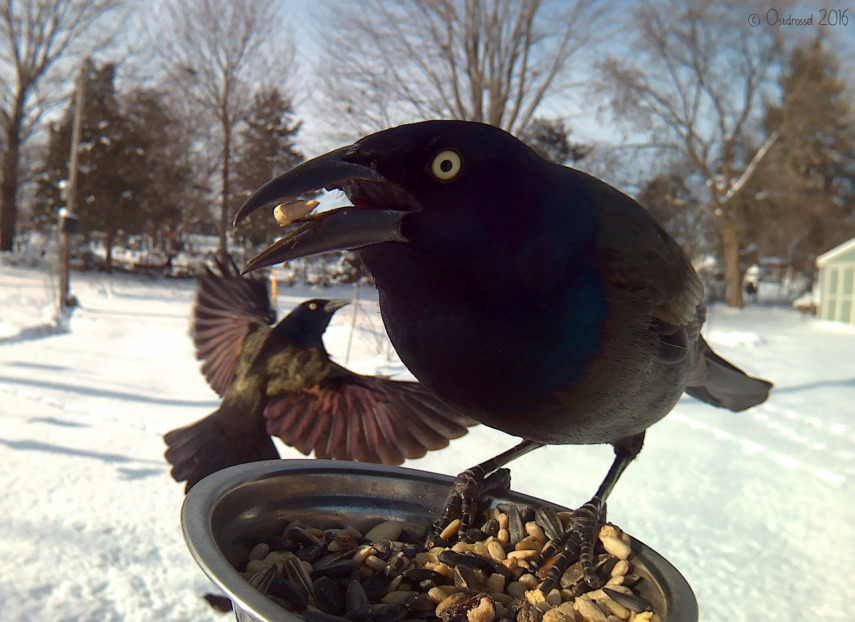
(341, 229)
(334, 305)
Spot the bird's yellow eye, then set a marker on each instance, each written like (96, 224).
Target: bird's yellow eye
(446, 165)
(313, 306)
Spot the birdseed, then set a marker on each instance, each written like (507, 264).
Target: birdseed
(340, 575)
(287, 213)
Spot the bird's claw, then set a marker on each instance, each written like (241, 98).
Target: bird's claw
(576, 542)
(464, 501)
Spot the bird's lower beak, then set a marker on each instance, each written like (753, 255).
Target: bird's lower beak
(345, 228)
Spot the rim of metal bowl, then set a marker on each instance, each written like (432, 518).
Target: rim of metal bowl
(200, 505)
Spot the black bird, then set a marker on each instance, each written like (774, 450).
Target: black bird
(280, 381)
(532, 297)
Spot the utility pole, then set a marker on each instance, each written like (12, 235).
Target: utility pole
(67, 217)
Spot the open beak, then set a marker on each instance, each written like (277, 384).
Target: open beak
(345, 228)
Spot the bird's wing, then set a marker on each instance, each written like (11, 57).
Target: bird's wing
(352, 417)
(636, 253)
(228, 307)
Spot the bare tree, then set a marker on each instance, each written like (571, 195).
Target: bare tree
(34, 37)
(695, 83)
(493, 61)
(218, 51)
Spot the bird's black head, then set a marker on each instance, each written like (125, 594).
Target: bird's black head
(308, 321)
(455, 189)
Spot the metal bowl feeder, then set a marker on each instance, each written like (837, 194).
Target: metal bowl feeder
(225, 514)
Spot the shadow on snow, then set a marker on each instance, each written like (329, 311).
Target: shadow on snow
(60, 422)
(105, 393)
(107, 457)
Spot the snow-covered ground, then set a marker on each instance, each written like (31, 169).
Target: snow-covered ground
(756, 509)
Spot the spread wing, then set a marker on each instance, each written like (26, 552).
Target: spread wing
(228, 307)
(352, 417)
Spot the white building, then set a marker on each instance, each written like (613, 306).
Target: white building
(837, 283)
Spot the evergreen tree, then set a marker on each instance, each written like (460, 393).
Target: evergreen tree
(169, 196)
(266, 149)
(112, 167)
(48, 197)
(551, 140)
(805, 188)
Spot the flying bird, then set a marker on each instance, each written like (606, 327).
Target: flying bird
(279, 381)
(532, 297)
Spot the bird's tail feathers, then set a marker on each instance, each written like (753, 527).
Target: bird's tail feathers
(204, 447)
(723, 384)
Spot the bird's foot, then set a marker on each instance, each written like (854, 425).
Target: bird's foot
(470, 490)
(575, 543)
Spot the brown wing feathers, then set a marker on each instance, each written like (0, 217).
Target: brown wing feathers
(228, 307)
(291, 389)
(365, 419)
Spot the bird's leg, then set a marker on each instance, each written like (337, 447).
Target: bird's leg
(580, 536)
(471, 485)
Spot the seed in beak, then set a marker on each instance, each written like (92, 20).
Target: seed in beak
(286, 213)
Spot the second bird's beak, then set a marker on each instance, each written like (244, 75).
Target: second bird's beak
(335, 304)
(345, 228)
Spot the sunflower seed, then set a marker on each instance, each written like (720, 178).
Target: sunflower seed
(292, 598)
(300, 578)
(262, 579)
(280, 544)
(417, 575)
(515, 524)
(302, 536)
(630, 601)
(388, 613)
(376, 585)
(466, 578)
(329, 596)
(491, 527)
(547, 518)
(355, 596)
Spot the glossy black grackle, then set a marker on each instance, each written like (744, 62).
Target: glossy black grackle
(280, 381)
(531, 296)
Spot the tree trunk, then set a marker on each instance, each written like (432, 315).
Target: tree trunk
(730, 249)
(108, 251)
(224, 214)
(9, 184)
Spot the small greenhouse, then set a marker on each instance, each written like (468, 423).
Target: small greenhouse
(837, 283)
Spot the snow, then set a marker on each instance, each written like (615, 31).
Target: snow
(756, 509)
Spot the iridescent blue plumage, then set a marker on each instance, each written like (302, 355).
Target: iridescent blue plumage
(532, 297)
